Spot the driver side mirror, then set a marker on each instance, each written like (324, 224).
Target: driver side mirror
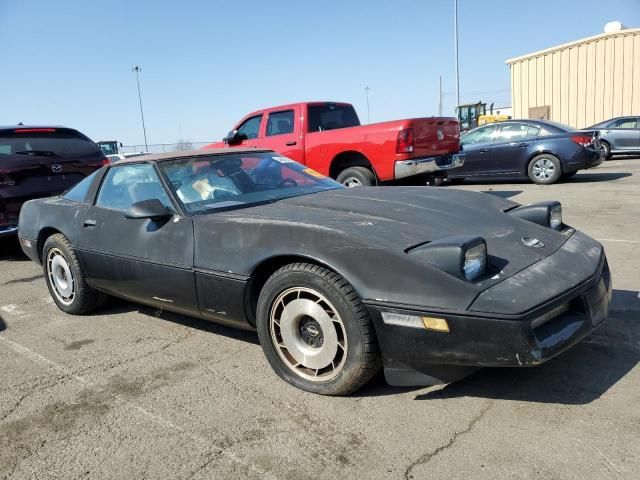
(234, 137)
(152, 208)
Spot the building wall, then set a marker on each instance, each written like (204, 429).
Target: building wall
(581, 83)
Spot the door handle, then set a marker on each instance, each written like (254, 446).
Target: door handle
(89, 223)
(483, 150)
(523, 145)
(290, 144)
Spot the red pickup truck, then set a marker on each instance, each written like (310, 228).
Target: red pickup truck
(328, 137)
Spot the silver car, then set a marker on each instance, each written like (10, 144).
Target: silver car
(619, 135)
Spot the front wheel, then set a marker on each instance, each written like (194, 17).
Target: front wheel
(315, 332)
(65, 279)
(544, 169)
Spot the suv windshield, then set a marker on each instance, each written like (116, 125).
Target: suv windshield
(205, 184)
(331, 116)
(45, 142)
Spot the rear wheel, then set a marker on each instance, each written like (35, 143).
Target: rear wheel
(544, 169)
(315, 332)
(607, 149)
(65, 279)
(356, 177)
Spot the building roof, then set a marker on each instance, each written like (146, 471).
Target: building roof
(157, 157)
(624, 32)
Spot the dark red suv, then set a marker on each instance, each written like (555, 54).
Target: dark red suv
(40, 162)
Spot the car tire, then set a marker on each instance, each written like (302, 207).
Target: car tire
(544, 169)
(315, 332)
(65, 279)
(607, 149)
(356, 177)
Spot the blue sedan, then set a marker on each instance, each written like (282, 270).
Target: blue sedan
(539, 150)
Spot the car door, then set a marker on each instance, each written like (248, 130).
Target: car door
(510, 149)
(623, 134)
(476, 145)
(143, 260)
(283, 133)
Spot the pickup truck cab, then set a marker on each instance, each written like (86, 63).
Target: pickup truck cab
(328, 137)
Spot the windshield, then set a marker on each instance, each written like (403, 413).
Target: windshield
(204, 184)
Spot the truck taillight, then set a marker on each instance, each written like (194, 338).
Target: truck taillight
(583, 140)
(405, 142)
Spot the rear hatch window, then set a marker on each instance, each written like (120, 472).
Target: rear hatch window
(45, 142)
(331, 116)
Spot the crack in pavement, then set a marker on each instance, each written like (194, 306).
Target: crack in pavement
(426, 458)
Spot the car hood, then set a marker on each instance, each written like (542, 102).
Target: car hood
(398, 218)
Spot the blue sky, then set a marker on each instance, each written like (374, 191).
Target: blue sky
(207, 62)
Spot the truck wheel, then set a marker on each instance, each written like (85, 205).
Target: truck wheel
(544, 169)
(65, 279)
(356, 177)
(315, 332)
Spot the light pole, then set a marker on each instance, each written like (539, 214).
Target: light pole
(455, 21)
(366, 89)
(137, 70)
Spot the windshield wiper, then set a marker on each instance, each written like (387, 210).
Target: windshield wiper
(44, 153)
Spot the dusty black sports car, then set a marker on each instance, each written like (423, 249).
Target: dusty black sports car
(428, 283)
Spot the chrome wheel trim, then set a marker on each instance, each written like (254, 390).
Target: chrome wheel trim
(294, 310)
(543, 169)
(60, 276)
(351, 182)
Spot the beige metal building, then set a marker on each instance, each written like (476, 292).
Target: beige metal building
(579, 83)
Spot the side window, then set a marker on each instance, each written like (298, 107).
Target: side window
(624, 123)
(78, 193)
(251, 127)
(127, 184)
(280, 123)
(532, 131)
(512, 132)
(479, 135)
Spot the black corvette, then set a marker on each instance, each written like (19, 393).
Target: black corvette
(430, 284)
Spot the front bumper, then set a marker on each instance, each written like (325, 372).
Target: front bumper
(416, 356)
(417, 166)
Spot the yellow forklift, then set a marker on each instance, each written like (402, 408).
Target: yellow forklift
(472, 115)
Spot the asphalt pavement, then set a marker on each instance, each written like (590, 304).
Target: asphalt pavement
(132, 392)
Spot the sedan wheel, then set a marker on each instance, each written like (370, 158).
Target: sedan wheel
(308, 333)
(544, 169)
(315, 332)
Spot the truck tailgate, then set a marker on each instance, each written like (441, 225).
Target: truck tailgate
(435, 136)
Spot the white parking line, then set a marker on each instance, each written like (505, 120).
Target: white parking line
(617, 240)
(208, 444)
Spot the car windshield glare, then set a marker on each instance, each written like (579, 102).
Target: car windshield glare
(216, 182)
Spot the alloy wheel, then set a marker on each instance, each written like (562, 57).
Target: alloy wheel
(308, 334)
(543, 169)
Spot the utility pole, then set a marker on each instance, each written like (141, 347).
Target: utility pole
(440, 99)
(366, 89)
(455, 21)
(137, 71)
